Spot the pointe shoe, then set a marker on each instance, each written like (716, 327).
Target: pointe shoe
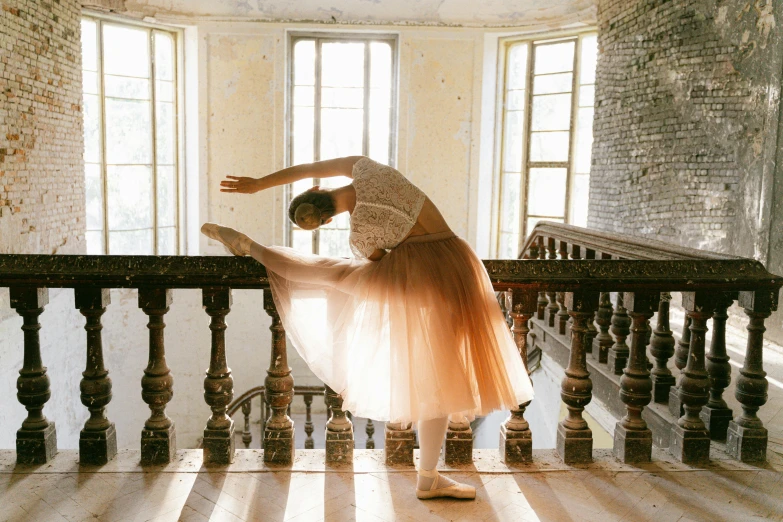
(455, 490)
(218, 233)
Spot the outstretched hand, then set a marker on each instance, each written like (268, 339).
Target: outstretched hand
(241, 185)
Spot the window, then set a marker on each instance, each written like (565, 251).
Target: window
(130, 138)
(342, 102)
(547, 120)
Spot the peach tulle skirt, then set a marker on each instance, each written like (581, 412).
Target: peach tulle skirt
(415, 336)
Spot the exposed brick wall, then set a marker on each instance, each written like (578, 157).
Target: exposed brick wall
(41, 132)
(683, 109)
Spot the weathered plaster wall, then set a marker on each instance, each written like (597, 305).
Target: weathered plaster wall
(505, 13)
(686, 125)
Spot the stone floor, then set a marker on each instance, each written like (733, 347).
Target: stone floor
(605, 491)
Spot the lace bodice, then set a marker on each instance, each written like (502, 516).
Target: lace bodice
(387, 207)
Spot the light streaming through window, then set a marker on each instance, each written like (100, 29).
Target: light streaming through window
(342, 99)
(130, 136)
(546, 136)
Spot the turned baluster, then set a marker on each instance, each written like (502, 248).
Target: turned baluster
(36, 440)
(400, 440)
(603, 317)
(574, 437)
(680, 360)
(716, 414)
(278, 393)
(370, 431)
(339, 431)
(247, 435)
(618, 353)
(459, 441)
(308, 427)
(632, 437)
(746, 439)
(98, 439)
(516, 439)
(562, 314)
(542, 300)
(662, 349)
(219, 442)
(158, 438)
(690, 442)
(552, 308)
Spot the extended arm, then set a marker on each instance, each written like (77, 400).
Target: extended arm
(318, 169)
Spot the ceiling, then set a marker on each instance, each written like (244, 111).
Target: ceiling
(496, 13)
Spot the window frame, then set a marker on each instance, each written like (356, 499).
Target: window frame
(319, 37)
(177, 36)
(501, 92)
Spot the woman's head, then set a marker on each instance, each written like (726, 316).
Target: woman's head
(311, 209)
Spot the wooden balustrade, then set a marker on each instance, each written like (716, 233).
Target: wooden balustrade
(562, 275)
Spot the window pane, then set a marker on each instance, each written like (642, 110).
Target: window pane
(517, 67)
(128, 132)
(122, 87)
(130, 197)
(546, 192)
(165, 133)
(589, 59)
(512, 146)
(302, 240)
(586, 95)
(166, 196)
(304, 62)
(342, 64)
(297, 187)
(303, 128)
(551, 112)
(334, 243)
(515, 100)
(167, 241)
(89, 45)
(89, 82)
(304, 96)
(509, 210)
(509, 243)
(92, 129)
(380, 65)
(126, 51)
(553, 83)
(549, 146)
(94, 194)
(130, 243)
(164, 91)
(164, 56)
(553, 58)
(579, 200)
(341, 132)
(94, 243)
(352, 98)
(380, 124)
(584, 140)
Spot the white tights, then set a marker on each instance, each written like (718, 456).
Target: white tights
(431, 435)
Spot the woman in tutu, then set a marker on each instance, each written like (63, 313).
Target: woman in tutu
(407, 331)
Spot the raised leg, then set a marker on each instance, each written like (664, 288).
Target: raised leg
(716, 414)
(158, 438)
(339, 431)
(279, 392)
(618, 353)
(36, 440)
(746, 438)
(516, 439)
(690, 442)
(632, 437)
(219, 445)
(98, 438)
(662, 349)
(574, 437)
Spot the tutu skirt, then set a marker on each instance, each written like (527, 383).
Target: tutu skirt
(415, 336)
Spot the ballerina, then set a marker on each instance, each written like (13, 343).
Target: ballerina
(408, 330)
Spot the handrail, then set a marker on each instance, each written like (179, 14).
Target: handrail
(621, 246)
(69, 271)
